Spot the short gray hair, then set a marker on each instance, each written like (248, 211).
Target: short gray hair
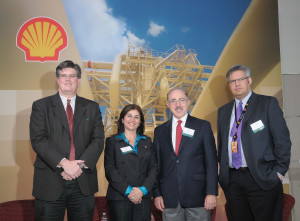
(177, 88)
(237, 67)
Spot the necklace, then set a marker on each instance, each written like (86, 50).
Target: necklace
(131, 139)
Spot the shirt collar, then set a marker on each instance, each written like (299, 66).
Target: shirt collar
(183, 119)
(237, 101)
(122, 136)
(64, 99)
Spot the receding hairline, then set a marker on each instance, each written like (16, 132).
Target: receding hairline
(175, 89)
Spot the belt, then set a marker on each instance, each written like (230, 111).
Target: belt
(239, 169)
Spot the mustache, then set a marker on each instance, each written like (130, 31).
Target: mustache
(178, 108)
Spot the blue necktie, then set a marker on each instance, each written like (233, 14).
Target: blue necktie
(237, 157)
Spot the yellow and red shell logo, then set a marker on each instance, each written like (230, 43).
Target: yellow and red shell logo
(42, 39)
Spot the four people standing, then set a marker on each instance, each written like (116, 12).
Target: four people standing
(179, 168)
(66, 132)
(253, 151)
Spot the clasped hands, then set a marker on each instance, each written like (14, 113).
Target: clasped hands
(135, 195)
(72, 169)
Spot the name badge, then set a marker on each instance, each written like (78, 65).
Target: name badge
(234, 147)
(126, 150)
(257, 126)
(188, 132)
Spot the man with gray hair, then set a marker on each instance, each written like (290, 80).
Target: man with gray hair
(253, 151)
(187, 181)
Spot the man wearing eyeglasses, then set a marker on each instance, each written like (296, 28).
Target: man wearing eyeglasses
(66, 132)
(253, 151)
(187, 181)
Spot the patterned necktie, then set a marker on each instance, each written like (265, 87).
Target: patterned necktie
(69, 112)
(237, 157)
(178, 136)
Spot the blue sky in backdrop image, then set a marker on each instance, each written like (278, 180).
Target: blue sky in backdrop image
(103, 28)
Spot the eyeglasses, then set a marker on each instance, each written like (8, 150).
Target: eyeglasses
(65, 76)
(180, 100)
(237, 80)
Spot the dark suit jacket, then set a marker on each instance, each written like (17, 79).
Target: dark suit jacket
(131, 169)
(191, 175)
(51, 140)
(267, 151)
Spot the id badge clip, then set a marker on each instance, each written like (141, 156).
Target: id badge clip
(234, 146)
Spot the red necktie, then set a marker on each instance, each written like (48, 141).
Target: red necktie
(69, 112)
(178, 137)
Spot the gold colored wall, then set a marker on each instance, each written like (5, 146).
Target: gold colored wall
(254, 43)
(21, 83)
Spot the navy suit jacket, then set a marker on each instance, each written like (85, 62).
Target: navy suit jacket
(193, 174)
(51, 140)
(267, 151)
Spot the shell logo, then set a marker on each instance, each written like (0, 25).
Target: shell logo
(42, 39)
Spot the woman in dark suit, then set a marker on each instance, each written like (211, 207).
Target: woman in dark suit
(130, 168)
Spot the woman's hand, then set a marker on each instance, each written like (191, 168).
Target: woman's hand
(136, 195)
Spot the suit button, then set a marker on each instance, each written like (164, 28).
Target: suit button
(177, 161)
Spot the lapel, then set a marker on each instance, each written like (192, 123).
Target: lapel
(80, 109)
(168, 135)
(59, 111)
(251, 108)
(142, 147)
(226, 120)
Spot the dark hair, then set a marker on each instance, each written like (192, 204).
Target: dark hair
(68, 64)
(237, 67)
(125, 110)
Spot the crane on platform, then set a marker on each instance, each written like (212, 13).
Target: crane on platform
(144, 76)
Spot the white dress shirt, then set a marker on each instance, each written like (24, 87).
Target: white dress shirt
(232, 119)
(174, 125)
(65, 101)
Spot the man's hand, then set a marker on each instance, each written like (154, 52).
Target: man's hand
(136, 195)
(71, 168)
(65, 176)
(280, 177)
(210, 202)
(159, 203)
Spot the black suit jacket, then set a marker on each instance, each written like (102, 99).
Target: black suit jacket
(267, 151)
(131, 169)
(191, 175)
(51, 140)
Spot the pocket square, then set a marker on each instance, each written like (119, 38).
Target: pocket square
(87, 118)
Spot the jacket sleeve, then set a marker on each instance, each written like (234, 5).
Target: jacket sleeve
(155, 189)
(41, 143)
(210, 161)
(151, 171)
(111, 172)
(219, 137)
(280, 135)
